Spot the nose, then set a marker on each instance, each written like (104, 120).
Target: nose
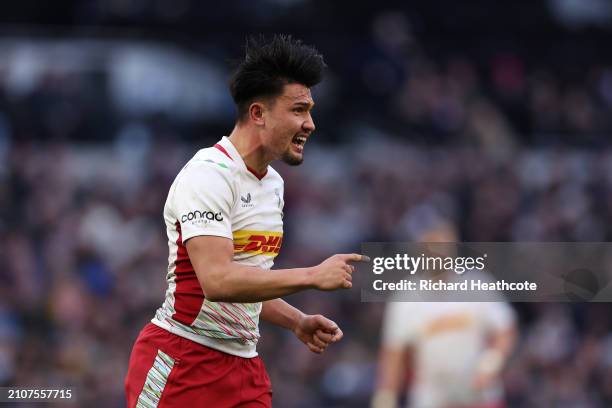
(309, 125)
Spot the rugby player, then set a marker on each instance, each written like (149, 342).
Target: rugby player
(224, 224)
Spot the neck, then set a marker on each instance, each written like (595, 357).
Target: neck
(248, 144)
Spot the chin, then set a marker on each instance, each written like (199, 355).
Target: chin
(292, 160)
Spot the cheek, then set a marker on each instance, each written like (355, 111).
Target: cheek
(286, 129)
(278, 126)
(282, 130)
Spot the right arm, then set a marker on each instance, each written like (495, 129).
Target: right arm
(224, 280)
(205, 186)
(396, 353)
(390, 375)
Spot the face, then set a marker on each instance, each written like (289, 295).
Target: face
(288, 124)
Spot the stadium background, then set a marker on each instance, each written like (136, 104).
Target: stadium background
(494, 114)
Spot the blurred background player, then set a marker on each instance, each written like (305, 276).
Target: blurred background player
(452, 352)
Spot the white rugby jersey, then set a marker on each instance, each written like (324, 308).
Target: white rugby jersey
(448, 339)
(217, 194)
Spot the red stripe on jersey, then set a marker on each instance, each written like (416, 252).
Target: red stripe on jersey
(188, 295)
(221, 321)
(244, 314)
(253, 172)
(256, 174)
(218, 146)
(236, 321)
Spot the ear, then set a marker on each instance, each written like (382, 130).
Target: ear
(256, 113)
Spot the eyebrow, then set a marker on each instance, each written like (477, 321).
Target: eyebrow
(301, 103)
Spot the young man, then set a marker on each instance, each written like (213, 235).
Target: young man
(224, 223)
(456, 350)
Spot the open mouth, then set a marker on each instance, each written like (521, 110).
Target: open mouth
(298, 142)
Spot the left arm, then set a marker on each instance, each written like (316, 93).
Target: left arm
(500, 320)
(494, 357)
(316, 331)
(280, 313)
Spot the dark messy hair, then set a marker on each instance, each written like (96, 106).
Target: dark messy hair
(269, 64)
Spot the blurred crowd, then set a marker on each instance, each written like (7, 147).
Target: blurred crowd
(511, 145)
(85, 253)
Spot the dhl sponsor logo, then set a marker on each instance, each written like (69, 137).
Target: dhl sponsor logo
(450, 323)
(258, 242)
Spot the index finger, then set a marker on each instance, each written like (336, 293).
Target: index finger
(356, 257)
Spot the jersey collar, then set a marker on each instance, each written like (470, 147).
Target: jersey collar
(227, 148)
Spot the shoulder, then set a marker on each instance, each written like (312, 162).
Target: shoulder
(275, 176)
(207, 165)
(208, 171)
(214, 158)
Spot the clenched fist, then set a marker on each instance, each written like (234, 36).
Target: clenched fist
(317, 332)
